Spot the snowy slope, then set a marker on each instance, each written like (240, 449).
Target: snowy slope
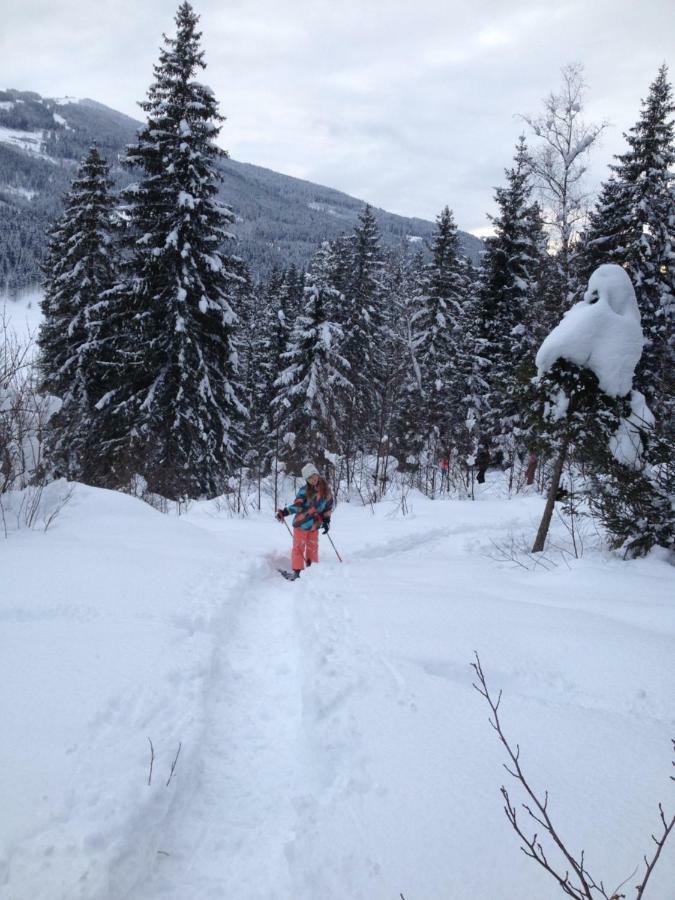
(22, 313)
(331, 743)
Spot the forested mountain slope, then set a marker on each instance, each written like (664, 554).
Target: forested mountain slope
(280, 219)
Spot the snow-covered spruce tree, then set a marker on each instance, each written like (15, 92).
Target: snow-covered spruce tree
(468, 387)
(635, 500)
(248, 341)
(588, 411)
(279, 307)
(438, 301)
(293, 291)
(362, 320)
(510, 312)
(408, 419)
(315, 376)
(79, 270)
(402, 272)
(633, 225)
(178, 413)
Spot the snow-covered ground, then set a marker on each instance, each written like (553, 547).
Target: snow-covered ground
(331, 743)
(22, 314)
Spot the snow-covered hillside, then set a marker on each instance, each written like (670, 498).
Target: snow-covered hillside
(331, 743)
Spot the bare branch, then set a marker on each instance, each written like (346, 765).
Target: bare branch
(152, 761)
(586, 888)
(667, 829)
(173, 765)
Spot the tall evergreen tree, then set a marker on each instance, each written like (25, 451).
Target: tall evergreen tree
(278, 310)
(437, 307)
(79, 271)
(364, 293)
(510, 304)
(468, 386)
(394, 408)
(361, 316)
(316, 375)
(633, 225)
(178, 413)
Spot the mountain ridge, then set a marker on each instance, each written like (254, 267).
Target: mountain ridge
(280, 219)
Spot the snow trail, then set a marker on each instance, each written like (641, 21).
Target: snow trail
(332, 744)
(278, 775)
(238, 808)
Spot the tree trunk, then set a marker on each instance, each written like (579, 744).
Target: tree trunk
(540, 540)
(531, 468)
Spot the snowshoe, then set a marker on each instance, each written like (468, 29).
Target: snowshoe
(289, 576)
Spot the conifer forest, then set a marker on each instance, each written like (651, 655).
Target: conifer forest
(175, 368)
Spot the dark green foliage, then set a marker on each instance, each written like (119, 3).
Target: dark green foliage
(174, 414)
(636, 504)
(568, 409)
(79, 270)
(315, 376)
(428, 413)
(511, 314)
(633, 226)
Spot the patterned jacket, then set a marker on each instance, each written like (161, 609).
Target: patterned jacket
(310, 514)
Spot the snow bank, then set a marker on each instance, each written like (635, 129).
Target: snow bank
(332, 745)
(23, 314)
(602, 332)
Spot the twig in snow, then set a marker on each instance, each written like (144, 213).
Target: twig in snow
(173, 764)
(152, 760)
(585, 888)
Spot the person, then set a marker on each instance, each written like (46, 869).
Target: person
(313, 508)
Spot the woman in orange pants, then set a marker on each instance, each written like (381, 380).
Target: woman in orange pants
(312, 508)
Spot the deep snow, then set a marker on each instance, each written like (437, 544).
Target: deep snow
(332, 745)
(601, 332)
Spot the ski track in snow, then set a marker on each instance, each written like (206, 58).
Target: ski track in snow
(271, 689)
(280, 772)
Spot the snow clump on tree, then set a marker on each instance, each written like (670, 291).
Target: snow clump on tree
(602, 332)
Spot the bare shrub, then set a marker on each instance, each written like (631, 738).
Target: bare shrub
(571, 874)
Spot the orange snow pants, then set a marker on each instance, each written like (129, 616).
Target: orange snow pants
(305, 547)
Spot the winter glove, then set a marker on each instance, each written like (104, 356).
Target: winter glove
(326, 526)
(281, 514)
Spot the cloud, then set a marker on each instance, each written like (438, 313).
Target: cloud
(410, 106)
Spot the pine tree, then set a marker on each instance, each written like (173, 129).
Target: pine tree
(468, 386)
(633, 226)
(363, 292)
(79, 271)
(361, 267)
(437, 307)
(178, 413)
(510, 305)
(248, 342)
(279, 308)
(402, 272)
(315, 376)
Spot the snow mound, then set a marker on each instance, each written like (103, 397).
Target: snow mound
(602, 332)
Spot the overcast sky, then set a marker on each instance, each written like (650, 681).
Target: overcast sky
(409, 105)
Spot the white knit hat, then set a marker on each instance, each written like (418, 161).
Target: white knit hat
(308, 471)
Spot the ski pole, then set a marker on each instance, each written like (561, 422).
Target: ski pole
(333, 546)
(287, 528)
